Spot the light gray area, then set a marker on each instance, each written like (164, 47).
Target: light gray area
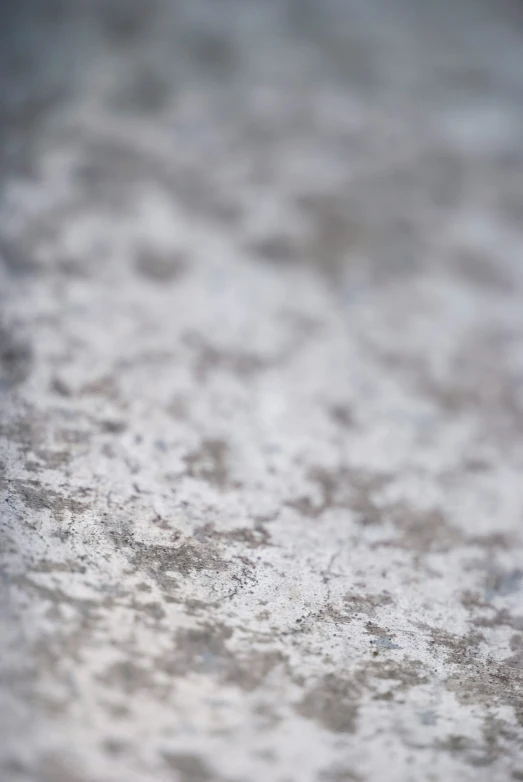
(261, 366)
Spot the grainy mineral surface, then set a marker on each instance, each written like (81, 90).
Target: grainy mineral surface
(261, 387)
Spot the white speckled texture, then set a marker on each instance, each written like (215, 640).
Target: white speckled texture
(261, 364)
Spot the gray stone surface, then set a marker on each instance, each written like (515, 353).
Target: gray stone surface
(261, 364)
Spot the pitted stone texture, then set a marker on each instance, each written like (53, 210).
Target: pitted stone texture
(260, 364)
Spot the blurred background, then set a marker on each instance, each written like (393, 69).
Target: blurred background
(261, 406)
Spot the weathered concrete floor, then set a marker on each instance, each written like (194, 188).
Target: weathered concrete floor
(262, 405)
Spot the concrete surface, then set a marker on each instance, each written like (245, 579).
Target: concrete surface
(261, 363)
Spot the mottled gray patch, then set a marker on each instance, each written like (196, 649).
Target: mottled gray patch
(343, 488)
(501, 583)
(145, 91)
(486, 614)
(224, 110)
(25, 429)
(216, 54)
(339, 773)
(210, 358)
(405, 674)
(129, 677)
(50, 459)
(329, 486)
(14, 769)
(483, 271)
(209, 463)
(112, 426)
(384, 643)
(16, 358)
(38, 496)
(48, 566)
(54, 768)
(335, 235)
(275, 248)
(21, 121)
(422, 532)
(487, 683)
(60, 387)
(189, 768)
(157, 560)
(500, 618)
(178, 407)
(342, 415)
(114, 746)
(382, 637)
(457, 647)
(18, 261)
(72, 437)
(124, 21)
(199, 196)
(255, 537)
(333, 702)
(160, 267)
(154, 610)
(479, 383)
(204, 649)
(250, 670)
(366, 603)
(56, 597)
(110, 173)
(104, 386)
(482, 753)
(428, 717)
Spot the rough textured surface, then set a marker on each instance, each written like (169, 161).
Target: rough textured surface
(261, 364)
